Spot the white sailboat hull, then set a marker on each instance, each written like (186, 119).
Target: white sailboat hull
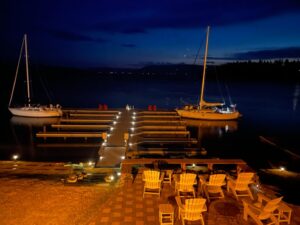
(36, 112)
(208, 114)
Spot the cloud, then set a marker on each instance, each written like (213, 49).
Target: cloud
(288, 52)
(139, 17)
(71, 36)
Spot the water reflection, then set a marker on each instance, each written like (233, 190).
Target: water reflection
(296, 96)
(212, 128)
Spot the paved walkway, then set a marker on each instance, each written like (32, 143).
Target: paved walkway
(127, 207)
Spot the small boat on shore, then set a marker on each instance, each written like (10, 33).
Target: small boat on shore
(208, 110)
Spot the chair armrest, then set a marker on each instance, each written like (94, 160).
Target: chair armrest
(202, 180)
(179, 203)
(162, 175)
(262, 198)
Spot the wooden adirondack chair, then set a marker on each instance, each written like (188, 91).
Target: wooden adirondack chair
(192, 209)
(185, 183)
(282, 213)
(213, 188)
(240, 186)
(262, 212)
(153, 182)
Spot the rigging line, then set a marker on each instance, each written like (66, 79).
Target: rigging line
(228, 93)
(45, 88)
(197, 56)
(16, 74)
(218, 84)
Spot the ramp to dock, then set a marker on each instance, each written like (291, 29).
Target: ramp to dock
(113, 150)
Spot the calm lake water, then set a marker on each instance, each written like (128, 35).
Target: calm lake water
(269, 109)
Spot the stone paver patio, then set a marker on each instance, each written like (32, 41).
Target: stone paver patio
(128, 207)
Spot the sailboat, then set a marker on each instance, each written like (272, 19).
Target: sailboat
(30, 110)
(208, 110)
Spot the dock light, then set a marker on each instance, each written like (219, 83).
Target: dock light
(108, 135)
(117, 117)
(15, 157)
(226, 128)
(111, 177)
(133, 117)
(130, 144)
(123, 157)
(111, 128)
(193, 164)
(119, 113)
(282, 168)
(119, 173)
(132, 128)
(134, 113)
(90, 163)
(132, 122)
(101, 157)
(131, 135)
(104, 144)
(115, 122)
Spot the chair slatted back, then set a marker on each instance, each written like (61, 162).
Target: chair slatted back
(269, 208)
(216, 179)
(243, 180)
(151, 179)
(187, 181)
(193, 208)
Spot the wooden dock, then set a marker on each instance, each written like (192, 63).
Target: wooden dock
(64, 135)
(86, 121)
(80, 127)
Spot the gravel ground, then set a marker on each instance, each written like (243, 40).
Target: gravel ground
(30, 201)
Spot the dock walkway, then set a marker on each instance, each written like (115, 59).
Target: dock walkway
(113, 150)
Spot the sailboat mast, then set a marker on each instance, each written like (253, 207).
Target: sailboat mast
(204, 70)
(27, 71)
(16, 74)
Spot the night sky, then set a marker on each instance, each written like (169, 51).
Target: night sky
(135, 33)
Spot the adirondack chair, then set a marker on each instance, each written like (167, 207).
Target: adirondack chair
(213, 188)
(262, 213)
(240, 186)
(185, 183)
(153, 182)
(282, 213)
(192, 209)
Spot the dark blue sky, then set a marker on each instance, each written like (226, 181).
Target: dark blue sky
(134, 33)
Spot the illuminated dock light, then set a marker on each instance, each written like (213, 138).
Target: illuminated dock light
(226, 128)
(111, 128)
(133, 117)
(132, 128)
(131, 135)
(15, 157)
(115, 122)
(122, 157)
(104, 144)
(282, 168)
(90, 163)
(101, 157)
(108, 135)
(119, 173)
(193, 164)
(133, 123)
(130, 144)
(119, 113)
(112, 177)
(117, 117)
(134, 113)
